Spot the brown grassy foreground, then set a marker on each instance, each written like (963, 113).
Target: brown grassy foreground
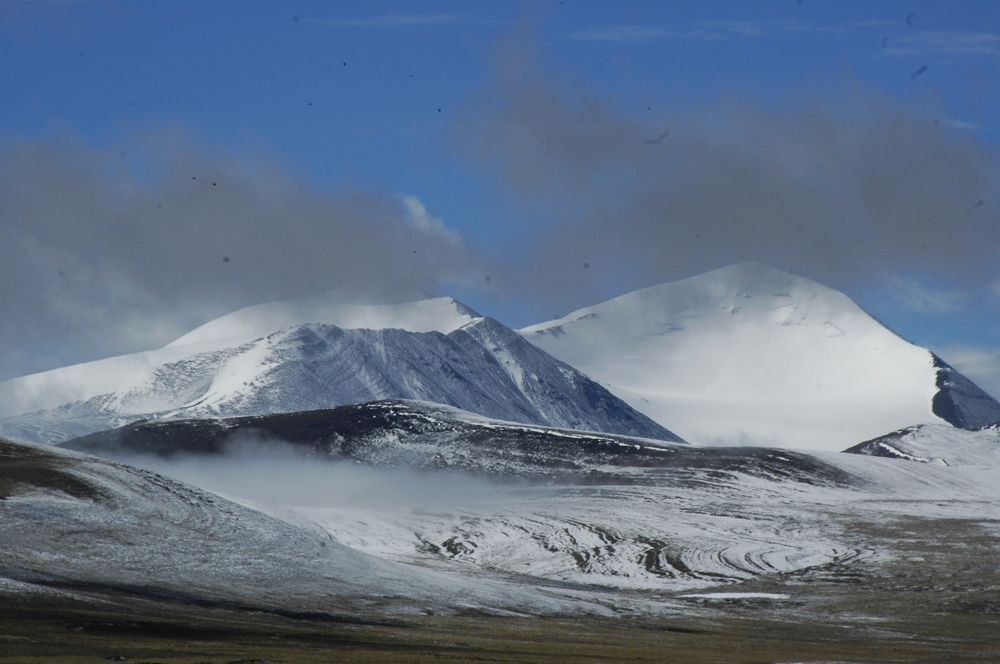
(71, 632)
(936, 600)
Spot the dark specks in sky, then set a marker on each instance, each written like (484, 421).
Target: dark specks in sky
(226, 259)
(659, 138)
(909, 18)
(918, 71)
(980, 203)
(586, 266)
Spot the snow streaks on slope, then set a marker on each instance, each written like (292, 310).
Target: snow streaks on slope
(482, 367)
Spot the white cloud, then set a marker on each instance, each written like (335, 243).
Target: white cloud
(923, 43)
(403, 21)
(710, 31)
(715, 30)
(912, 295)
(981, 365)
(626, 33)
(965, 125)
(945, 43)
(427, 224)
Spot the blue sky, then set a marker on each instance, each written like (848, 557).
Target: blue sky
(367, 95)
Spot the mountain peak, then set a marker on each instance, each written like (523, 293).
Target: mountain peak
(733, 289)
(81, 382)
(438, 314)
(742, 279)
(751, 354)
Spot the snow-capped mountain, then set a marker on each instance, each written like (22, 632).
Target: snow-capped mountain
(749, 353)
(937, 443)
(80, 382)
(479, 365)
(438, 314)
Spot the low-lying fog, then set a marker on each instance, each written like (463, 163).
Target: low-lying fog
(273, 472)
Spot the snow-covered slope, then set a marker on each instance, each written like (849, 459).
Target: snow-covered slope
(602, 513)
(610, 511)
(414, 434)
(938, 443)
(80, 382)
(483, 367)
(748, 353)
(440, 314)
(75, 523)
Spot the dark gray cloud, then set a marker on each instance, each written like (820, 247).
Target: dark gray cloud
(108, 250)
(841, 187)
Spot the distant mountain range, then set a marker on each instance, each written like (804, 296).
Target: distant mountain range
(742, 355)
(223, 370)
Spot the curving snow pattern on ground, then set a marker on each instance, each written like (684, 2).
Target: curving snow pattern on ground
(616, 522)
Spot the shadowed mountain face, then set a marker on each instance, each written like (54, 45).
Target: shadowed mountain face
(424, 435)
(960, 402)
(483, 367)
